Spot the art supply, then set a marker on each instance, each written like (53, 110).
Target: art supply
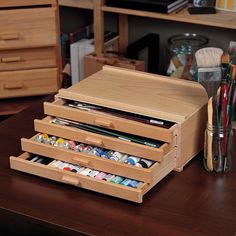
(132, 160)
(144, 163)
(209, 70)
(107, 132)
(114, 112)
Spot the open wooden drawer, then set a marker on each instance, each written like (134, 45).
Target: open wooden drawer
(118, 168)
(71, 133)
(58, 108)
(22, 164)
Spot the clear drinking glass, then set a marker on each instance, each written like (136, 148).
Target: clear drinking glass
(218, 148)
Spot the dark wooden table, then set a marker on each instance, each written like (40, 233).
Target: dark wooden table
(192, 202)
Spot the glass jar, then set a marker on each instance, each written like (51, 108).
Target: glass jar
(218, 148)
(181, 50)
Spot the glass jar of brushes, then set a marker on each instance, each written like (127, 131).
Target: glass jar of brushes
(218, 148)
(181, 50)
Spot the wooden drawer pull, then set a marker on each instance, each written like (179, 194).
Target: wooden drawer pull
(10, 37)
(82, 162)
(103, 122)
(10, 59)
(70, 180)
(93, 141)
(13, 86)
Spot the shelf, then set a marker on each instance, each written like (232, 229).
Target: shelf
(85, 4)
(223, 19)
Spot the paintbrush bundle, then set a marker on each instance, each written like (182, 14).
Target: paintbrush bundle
(209, 70)
(218, 146)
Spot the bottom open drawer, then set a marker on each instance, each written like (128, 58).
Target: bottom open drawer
(117, 190)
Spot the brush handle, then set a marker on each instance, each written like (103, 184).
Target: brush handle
(209, 135)
(224, 102)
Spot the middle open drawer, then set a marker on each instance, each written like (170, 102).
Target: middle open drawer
(153, 153)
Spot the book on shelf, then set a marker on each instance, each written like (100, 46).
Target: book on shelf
(83, 47)
(161, 6)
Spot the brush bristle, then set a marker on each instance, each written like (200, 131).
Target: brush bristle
(208, 57)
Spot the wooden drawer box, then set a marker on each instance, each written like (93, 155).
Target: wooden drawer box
(28, 82)
(181, 103)
(28, 59)
(27, 28)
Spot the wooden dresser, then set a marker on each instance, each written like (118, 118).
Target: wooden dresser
(29, 48)
(180, 103)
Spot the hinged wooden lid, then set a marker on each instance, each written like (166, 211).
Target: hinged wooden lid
(139, 92)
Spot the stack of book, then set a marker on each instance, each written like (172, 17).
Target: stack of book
(162, 6)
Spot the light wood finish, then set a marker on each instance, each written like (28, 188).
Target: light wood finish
(139, 92)
(234, 125)
(29, 40)
(156, 154)
(27, 59)
(117, 190)
(28, 82)
(108, 121)
(98, 26)
(84, 4)
(17, 3)
(123, 32)
(24, 28)
(223, 19)
(94, 162)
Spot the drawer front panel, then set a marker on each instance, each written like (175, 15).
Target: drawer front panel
(146, 175)
(24, 28)
(20, 163)
(31, 82)
(109, 121)
(28, 59)
(156, 154)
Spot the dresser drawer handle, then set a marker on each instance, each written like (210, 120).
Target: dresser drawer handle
(70, 180)
(10, 37)
(93, 141)
(13, 86)
(82, 162)
(103, 122)
(10, 59)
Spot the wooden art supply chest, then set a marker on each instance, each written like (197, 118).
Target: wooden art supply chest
(29, 48)
(180, 104)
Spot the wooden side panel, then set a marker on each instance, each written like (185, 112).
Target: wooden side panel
(191, 139)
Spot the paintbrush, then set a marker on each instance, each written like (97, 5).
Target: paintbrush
(209, 70)
(209, 135)
(232, 52)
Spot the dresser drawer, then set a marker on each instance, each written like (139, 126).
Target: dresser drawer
(133, 194)
(28, 82)
(24, 28)
(71, 133)
(102, 119)
(28, 59)
(148, 175)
